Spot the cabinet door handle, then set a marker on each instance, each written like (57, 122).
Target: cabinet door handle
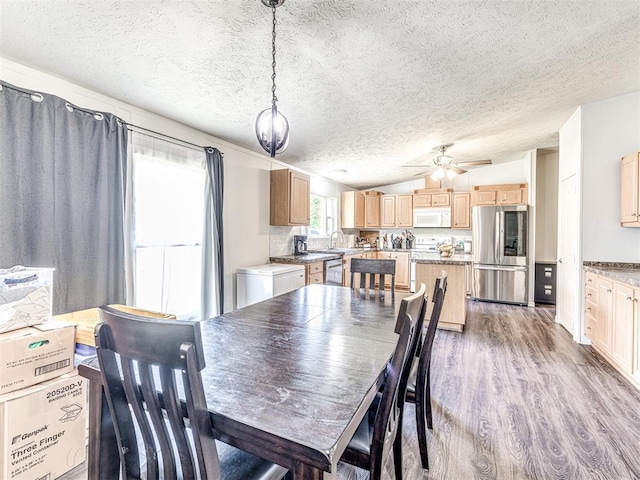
(589, 308)
(629, 298)
(608, 290)
(589, 280)
(588, 294)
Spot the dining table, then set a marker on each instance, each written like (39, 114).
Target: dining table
(288, 379)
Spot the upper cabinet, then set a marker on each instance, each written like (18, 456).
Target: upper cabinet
(388, 211)
(352, 210)
(372, 209)
(396, 211)
(425, 198)
(630, 191)
(508, 194)
(404, 211)
(289, 198)
(461, 210)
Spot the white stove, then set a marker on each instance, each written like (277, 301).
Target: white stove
(424, 246)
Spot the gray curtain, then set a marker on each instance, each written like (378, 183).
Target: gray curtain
(62, 170)
(212, 244)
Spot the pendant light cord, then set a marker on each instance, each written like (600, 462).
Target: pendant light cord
(274, 99)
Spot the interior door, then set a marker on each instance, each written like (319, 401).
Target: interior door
(568, 288)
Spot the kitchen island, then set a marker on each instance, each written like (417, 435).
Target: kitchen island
(427, 267)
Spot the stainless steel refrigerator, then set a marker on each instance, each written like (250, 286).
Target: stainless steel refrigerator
(500, 244)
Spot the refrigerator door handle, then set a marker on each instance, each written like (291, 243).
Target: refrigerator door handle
(501, 222)
(497, 244)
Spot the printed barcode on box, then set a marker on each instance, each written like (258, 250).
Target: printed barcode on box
(52, 366)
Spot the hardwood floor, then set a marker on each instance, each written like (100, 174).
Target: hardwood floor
(515, 398)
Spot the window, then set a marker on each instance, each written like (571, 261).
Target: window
(324, 213)
(168, 202)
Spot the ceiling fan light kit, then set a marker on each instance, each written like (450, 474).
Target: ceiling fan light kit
(272, 127)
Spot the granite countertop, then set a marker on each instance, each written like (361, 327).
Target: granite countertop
(455, 259)
(628, 273)
(309, 258)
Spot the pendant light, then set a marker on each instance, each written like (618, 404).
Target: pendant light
(272, 128)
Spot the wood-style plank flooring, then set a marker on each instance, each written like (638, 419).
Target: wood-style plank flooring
(515, 398)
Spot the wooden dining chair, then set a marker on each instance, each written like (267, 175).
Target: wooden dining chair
(370, 267)
(418, 388)
(415, 306)
(151, 372)
(373, 440)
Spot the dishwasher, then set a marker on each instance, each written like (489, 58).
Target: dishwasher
(333, 272)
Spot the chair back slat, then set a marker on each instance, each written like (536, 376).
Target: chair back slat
(152, 368)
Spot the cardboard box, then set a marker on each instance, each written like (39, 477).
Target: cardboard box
(25, 297)
(43, 429)
(34, 354)
(86, 320)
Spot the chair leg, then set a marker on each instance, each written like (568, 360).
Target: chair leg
(397, 453)
(422, 432)
(427, 400)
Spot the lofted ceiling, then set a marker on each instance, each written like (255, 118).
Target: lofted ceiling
(367, 86)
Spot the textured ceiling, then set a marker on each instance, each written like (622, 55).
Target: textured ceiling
(367, 86)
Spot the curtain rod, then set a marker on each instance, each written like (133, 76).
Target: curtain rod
(131, 127)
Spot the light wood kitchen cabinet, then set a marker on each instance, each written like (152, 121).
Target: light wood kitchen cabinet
(404, 211)
(505, 194)
(290, 198)
(423, 199)
(630, 191)
(622, 326)
(346, 269)
(461, 210)
(372, 209)
(604, 313)
(454, 309)
(396, 211)
(352, 208)
(315, 273)
(402, 269)
(388, 211)
(612, 317)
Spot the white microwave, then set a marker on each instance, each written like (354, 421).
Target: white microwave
(432, 218)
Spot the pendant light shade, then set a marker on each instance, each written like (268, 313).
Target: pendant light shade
(272, 130)
(272, 127)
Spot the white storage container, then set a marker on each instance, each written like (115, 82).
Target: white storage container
(25, 297)
(265, 281)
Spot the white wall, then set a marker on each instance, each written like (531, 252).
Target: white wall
(611, 129)
(246, 174)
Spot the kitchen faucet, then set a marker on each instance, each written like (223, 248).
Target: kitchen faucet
(332, 244)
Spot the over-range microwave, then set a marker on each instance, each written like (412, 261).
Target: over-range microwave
(432, 218)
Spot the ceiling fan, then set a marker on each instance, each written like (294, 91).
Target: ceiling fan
(444, 166)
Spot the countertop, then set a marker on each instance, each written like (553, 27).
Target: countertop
(455, 259)
(309, 258)
(628, 273)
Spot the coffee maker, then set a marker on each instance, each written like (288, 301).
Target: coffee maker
(300, 245)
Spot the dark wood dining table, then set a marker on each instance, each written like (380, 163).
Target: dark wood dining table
(288, 379)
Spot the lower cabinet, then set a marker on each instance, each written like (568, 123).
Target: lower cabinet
(315, 273)
(612, 315)
(402, 269)
(346, 269)
(454, 309)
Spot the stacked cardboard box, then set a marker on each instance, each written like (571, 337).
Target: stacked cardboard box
(42, 403)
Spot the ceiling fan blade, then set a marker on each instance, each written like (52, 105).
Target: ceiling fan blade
(418, 166)
(459, 171)
(474, 163)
